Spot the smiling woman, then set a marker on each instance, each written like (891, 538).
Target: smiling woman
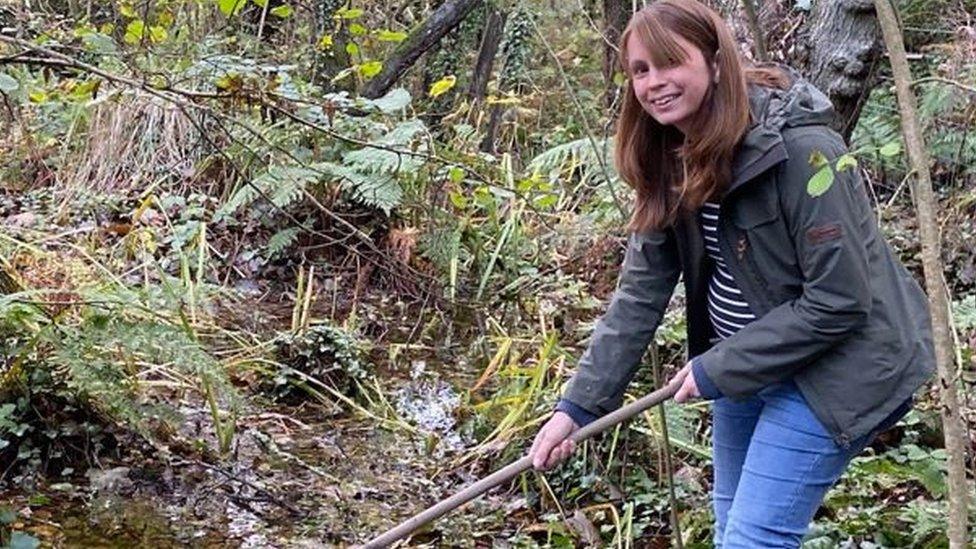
(673, 93)
(803, 327)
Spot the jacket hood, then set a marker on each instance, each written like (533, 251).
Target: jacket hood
(772, 111)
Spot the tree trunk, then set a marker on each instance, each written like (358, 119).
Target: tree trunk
(444, 18)
(616, 15)
(331, 62)
(843, 48)
(927, 206)
(490, 39)
(752, 18)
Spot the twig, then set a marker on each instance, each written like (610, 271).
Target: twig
(668, 464)
(271, 497)
(949, 81)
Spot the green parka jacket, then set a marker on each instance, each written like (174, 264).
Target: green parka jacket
(837, 312)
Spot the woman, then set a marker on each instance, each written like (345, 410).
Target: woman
(803, 326)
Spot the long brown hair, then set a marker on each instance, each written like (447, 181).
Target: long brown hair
(671, 172)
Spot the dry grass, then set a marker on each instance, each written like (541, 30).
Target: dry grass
(135, 142)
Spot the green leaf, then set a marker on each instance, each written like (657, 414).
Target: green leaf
(8, 83)
(394, 100)
(352, 49)
(846, 162)
(325, 43)
(230, 8)
(349, 13)
(38, 96)
(260, 3)
(370, 69)
(821, 181)
(964, 312)
(890, 149)
(99, 43)
(459, 200)
(157, 34)
(20, 540)
(442, 86)
(134, 31)
(456, 174)
(384, 35)
(282, 11)
(546, 201)
(356, 29)
(817, 159)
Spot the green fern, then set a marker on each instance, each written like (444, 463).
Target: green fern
(576, 157)
(372, 159)
(376, 190)
(281, 241)
(102, 356)
(284, 185)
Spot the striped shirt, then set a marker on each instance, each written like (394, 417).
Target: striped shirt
(726, 307)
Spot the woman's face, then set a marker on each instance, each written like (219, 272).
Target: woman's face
(671, 95)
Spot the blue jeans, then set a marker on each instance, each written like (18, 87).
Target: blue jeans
(774, 462)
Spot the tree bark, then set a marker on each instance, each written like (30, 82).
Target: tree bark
(616, 15)
(926, 207)
(329, 63)
(757, 35)
(490, 39)
(444, 18)
(843, 48)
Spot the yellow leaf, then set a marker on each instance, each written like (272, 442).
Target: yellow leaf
(230, 7)
(134, 31)
(370, 69)
(349, 13)
(157, 34)
(442, 86)
(282, 11)
(384, 35)
(37, 96)
(817, 159)
(325, 42)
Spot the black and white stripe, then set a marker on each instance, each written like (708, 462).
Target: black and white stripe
(726, 307)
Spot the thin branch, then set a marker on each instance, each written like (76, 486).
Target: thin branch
(583, 118)
(949, 81)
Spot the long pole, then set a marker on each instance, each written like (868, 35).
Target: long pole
(512, 470)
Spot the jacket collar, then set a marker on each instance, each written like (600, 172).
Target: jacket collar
(771, 111)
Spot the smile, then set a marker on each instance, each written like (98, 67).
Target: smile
(664, 100)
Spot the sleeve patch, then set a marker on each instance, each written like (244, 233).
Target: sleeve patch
(824, 233)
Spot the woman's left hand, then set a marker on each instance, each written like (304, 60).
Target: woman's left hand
(688, 389)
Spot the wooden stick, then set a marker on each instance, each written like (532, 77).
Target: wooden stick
(514, 469)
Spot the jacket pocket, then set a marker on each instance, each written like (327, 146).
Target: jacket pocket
(757, 208)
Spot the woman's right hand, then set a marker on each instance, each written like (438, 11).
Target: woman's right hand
(552, 444)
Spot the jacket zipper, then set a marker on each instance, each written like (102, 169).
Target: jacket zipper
(747, 277)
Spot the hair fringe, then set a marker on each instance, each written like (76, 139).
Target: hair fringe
(673, 174)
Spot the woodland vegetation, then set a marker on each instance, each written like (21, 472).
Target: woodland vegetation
(285, 272)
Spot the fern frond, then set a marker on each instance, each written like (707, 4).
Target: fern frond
(577, 156)
(288, 182)
(376, 190)
(281, 241)
(375, 160)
